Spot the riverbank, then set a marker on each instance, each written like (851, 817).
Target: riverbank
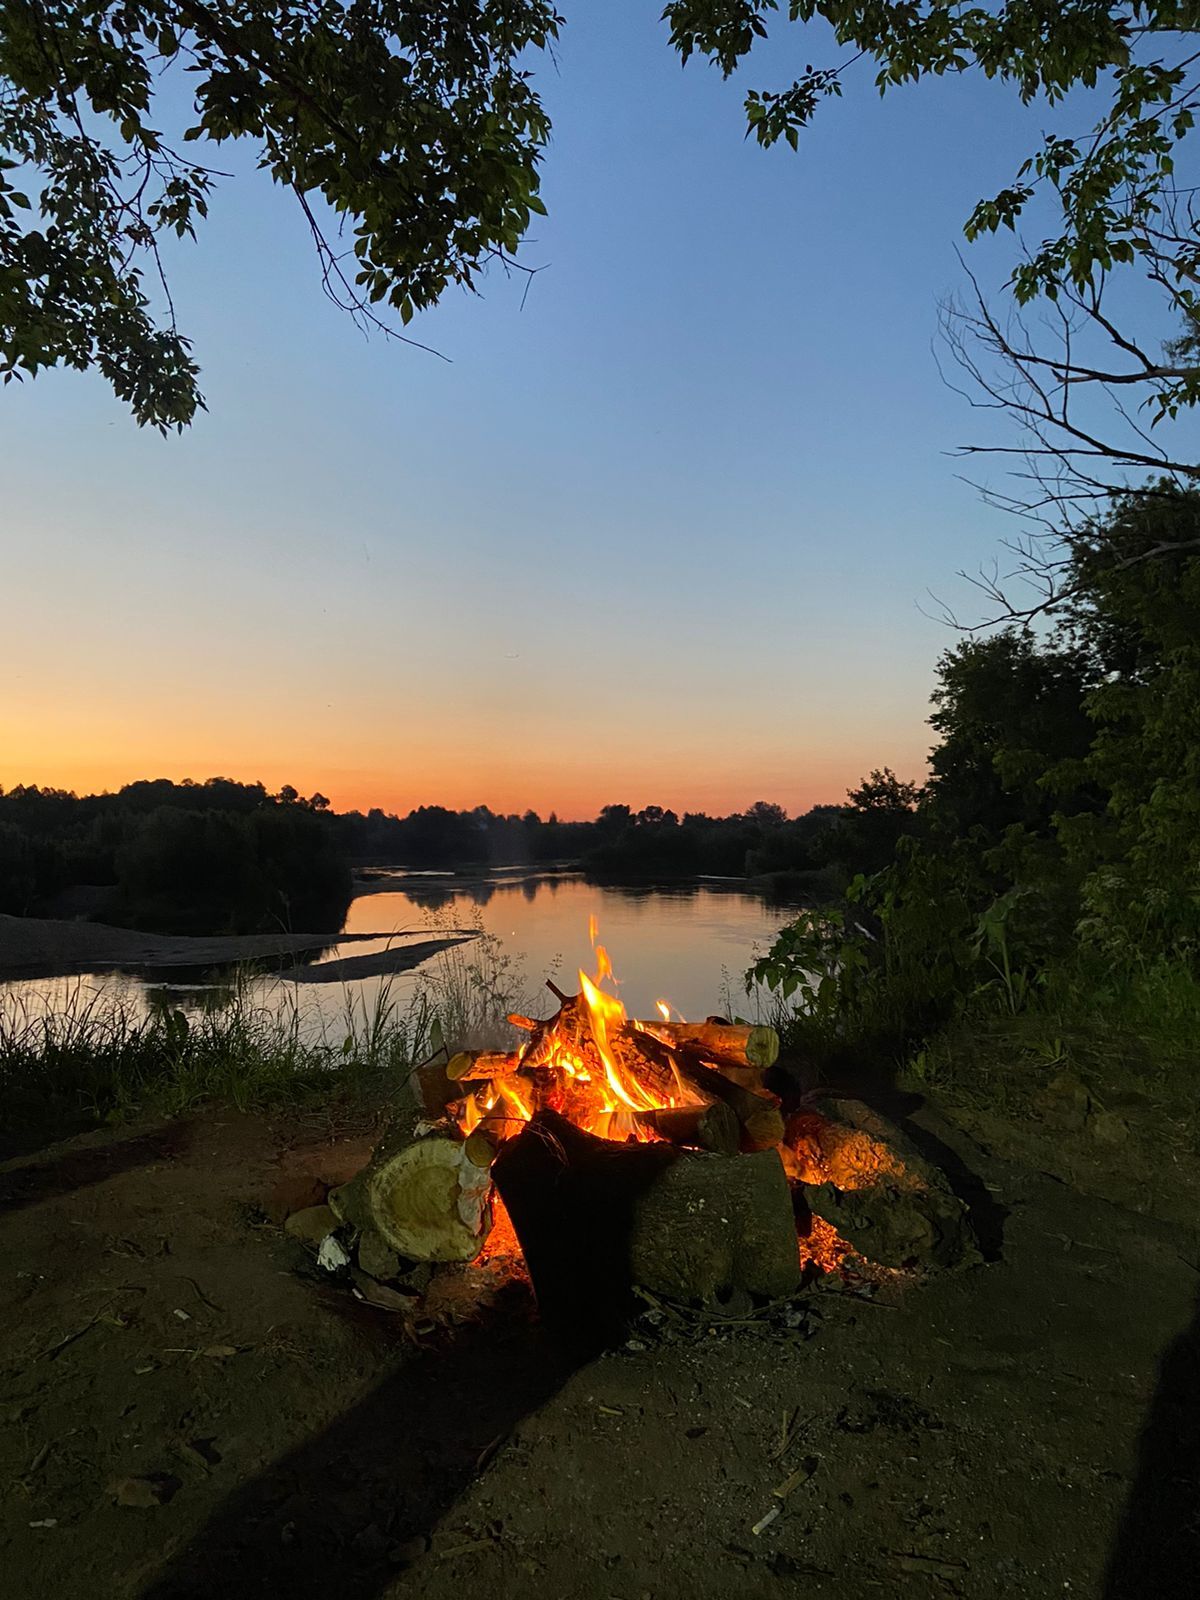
(378, 964)
(975, 1440)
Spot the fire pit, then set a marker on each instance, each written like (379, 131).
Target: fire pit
(645, 1155)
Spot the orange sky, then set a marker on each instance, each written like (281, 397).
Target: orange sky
(508, 747)
(683, 784)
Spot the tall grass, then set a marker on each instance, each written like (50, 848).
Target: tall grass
(102, 1057)
(471, 988)
(1128, 1032)
(99, 1058)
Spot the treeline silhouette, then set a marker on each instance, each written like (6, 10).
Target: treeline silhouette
(209, 857)
(222, 856)
(761, 842)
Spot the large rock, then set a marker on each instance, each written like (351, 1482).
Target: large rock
(864, 1177)
(376, 1257)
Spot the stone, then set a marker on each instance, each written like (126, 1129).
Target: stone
(298, 1191)
(380, 1295)
(864, 1176)
(144, 1493)
(1063, 1103)
(417, 1277)
(313, 1225)
(1106, 1127)
(898, 1227)
(376, 1257)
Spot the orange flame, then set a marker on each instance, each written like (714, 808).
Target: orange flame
(604, 1009)
(514, 1101)
(580, 1065)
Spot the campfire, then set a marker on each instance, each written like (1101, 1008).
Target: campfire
(645, 1155)
(691, 1084)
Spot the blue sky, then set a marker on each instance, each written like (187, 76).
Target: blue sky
(662, 534)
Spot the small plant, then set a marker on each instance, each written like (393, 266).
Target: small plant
(815, 961)
(1011, 984)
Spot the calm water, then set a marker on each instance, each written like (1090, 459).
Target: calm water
(688, 944)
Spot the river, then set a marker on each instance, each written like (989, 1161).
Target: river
(686, 943)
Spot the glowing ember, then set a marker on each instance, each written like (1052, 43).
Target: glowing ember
(818, 1151)
(501, 1243)
(823, 1247)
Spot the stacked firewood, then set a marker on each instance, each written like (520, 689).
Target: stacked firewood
(700, 1199)
(708, 1074)
(426, 1192)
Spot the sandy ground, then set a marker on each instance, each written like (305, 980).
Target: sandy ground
(1028, 1428)
(399, 958)
(41, 946)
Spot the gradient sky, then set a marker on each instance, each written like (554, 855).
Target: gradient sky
(662, 535)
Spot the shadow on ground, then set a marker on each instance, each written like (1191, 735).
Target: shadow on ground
(79, 1168)
(1157, 1551)
(342, 1514)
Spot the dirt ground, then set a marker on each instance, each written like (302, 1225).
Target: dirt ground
(1029, 1427)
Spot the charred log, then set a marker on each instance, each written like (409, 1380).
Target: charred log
(758, 1113)
(703, 1127)
(596, 1218)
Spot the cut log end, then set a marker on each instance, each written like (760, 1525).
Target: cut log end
(426, 1198)
(472, 1065)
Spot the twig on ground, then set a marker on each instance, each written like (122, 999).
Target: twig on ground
(56, 1350)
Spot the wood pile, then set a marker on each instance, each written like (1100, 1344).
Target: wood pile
(693, 1189)
(690, 1066)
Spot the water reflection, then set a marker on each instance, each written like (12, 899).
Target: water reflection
(686, 942)
(689, 942)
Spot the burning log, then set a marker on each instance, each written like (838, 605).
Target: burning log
(596, 1218)
(569, 1028)
(707, 1127)
(757, 1111)
(421, 1193)
(469, 1065)
(741, 1045)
